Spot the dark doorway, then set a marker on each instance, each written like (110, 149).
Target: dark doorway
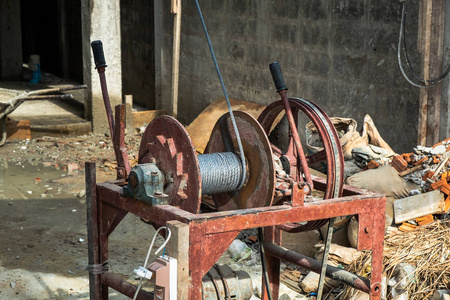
(137, 38)
(52, 29)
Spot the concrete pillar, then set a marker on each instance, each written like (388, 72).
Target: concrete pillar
(101, 21)
(10, 41)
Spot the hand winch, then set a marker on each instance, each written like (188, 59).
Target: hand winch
(170, 171)
(241, 183)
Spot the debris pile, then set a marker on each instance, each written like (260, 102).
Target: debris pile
(416, 250)
(416, 263)
(71, 153)
(429, 169)
(417, 188)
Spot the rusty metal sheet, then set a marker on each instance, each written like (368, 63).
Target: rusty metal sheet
(259, 186)
(167, 143)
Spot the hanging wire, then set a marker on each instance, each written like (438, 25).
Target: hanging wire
(402, 39)
(233, 121)
(169, 234)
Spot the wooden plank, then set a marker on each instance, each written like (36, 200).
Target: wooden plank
(143, 118)
(128, 99)
(178, 247)
(18, 130)
(405, 227)
(410, 170)
(416, 206)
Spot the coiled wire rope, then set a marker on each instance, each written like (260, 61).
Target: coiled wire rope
(233, 121)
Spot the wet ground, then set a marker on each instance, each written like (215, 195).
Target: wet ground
(43, 243)
(43, 237)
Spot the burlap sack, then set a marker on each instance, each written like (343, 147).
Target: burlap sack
(383, 180)
(348, 136)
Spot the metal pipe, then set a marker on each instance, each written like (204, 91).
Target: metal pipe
(358, 282)
(124, 287)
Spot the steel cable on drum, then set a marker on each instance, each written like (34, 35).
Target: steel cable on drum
(233, 121)
(220, 172)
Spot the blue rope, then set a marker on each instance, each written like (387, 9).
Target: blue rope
(233, 121)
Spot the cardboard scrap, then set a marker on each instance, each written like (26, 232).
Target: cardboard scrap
(143, 118)
(200, 129)
(340, 254)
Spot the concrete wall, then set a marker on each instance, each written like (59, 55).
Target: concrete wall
(10, 41)
(341, 54)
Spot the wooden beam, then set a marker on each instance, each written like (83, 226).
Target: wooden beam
(178, 247)
(431, 35)
(128, 99)
(176, 9)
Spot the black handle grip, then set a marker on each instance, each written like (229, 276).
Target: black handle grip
(277, 76)
(99, 57)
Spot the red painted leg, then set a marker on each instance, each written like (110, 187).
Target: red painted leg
(272, 234)
(377, 252)
(92, 228)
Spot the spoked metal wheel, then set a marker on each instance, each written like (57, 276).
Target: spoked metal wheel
(331, 154)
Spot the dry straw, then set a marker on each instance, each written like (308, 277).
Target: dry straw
(427, 249)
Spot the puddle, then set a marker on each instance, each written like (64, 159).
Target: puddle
(26, 181)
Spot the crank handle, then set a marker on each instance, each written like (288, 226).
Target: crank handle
(277, 77)
(99, 57)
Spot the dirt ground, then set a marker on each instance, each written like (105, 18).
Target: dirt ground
(43, 243)
(43, 237)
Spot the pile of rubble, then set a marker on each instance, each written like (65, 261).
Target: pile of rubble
(429, 169)
(70, 153)
(417, 188)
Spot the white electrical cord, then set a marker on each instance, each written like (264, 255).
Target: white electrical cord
(150, 250)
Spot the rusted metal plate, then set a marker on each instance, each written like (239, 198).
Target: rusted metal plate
(259, 186)
(167, 143)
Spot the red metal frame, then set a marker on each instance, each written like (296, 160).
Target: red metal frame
(210, 234)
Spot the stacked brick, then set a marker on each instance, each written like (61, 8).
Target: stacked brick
(399, 163)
